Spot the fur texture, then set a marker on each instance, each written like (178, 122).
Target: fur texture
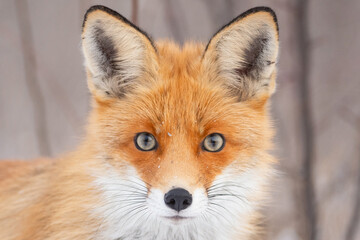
(108, 188)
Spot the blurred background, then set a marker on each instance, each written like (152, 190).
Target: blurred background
(44, 99)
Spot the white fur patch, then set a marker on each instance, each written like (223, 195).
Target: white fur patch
(129, 211)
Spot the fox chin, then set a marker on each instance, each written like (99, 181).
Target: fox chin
(177, 141)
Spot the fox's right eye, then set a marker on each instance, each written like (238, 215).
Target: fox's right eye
(145, 141)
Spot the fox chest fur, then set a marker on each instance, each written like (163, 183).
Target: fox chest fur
(176, 145)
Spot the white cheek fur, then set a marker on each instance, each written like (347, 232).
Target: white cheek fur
(128, 211)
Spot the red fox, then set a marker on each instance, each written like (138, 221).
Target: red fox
(176, 145)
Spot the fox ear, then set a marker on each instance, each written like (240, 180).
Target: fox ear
(117, 53)
(244, 52)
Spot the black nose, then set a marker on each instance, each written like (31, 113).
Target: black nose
(178, 199)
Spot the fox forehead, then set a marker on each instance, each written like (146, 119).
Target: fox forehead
(182, 95)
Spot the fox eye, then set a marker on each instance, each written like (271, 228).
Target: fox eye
(145, 141)
(214, 142)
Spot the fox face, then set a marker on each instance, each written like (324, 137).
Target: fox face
(180, 135)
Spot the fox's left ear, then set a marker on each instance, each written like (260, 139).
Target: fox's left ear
(118, 55)
(243, 54)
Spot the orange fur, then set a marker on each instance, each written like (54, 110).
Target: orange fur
(184, 102)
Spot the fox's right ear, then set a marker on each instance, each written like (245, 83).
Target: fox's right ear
(118, 55)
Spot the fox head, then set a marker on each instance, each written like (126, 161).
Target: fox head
(181, 135)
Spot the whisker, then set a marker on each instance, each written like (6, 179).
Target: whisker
(226, 209)
(116, 193)
(109, 215)
(216, 213)
(129, 204)
(141, 180)
(219, 188)
(134, 211)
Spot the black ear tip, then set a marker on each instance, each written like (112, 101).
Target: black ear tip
(261, 9)
(245, 14)
(117, 16)
(90, 10)
(97, 7)
(104, 9)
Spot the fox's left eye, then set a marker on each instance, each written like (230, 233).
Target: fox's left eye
(145, 141)
(214, 142)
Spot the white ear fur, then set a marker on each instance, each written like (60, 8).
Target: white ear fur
(115, 51)
(245, 51)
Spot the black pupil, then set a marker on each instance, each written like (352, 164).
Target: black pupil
(214, 141)
(147, 140)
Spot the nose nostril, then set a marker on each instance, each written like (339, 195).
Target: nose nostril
(178, 199)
